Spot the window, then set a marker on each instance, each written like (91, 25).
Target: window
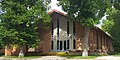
(67, 44)
(52, 27)
(67, 28)
(74, 44)
(64, 45)
(57, 44)
(60, 45)
(74, 28)
(52, 34)
(58, 34)
(58, 27)
(52, 45)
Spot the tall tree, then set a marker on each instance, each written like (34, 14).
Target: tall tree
(111, 25)
(87, 12)
(19, 22)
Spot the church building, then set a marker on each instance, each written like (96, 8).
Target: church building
(65, 34)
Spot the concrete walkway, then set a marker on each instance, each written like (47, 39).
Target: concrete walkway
(50, 58)
(56, 58)
(108, 58)
(63, 58)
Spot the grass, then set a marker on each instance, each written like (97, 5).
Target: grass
(79, 57)
(116, 54)
(67, 56)
(22, 57)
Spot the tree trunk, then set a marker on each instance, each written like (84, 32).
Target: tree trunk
(21, 53)
(85, 42)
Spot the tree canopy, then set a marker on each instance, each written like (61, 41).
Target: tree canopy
(19, 22)
(111, 25)
(88, 12)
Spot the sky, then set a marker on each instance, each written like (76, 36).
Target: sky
(54, 6)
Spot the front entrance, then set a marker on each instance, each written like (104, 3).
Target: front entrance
(63, 35)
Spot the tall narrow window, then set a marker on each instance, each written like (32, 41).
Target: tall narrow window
(64, 45)
(67, 28)
(52, 26)
(58, 42)
(60, 45)
(52, 45)
(74, 35)
(58, 27)
(74, 44)
(74, 28)
(67, 44)
(97, 47)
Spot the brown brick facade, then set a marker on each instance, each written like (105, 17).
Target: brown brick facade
(45, 44)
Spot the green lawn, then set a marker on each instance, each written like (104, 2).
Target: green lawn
(79, 57)
(116, 54)
(67, 56)
(21, 57)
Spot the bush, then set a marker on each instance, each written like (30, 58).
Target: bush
(111, 53)
(1, 54)
(53, 53)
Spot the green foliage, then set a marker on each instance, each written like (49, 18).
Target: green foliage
(112, 25)
(116, 4)
(88, 12)
(79, 57)
(19, 22)
(107, 25)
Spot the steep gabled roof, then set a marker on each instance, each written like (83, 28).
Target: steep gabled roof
(65, 15)
(56, 11)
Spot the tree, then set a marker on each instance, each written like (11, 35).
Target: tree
(19, 22)
(87, 12)
(111, 25)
